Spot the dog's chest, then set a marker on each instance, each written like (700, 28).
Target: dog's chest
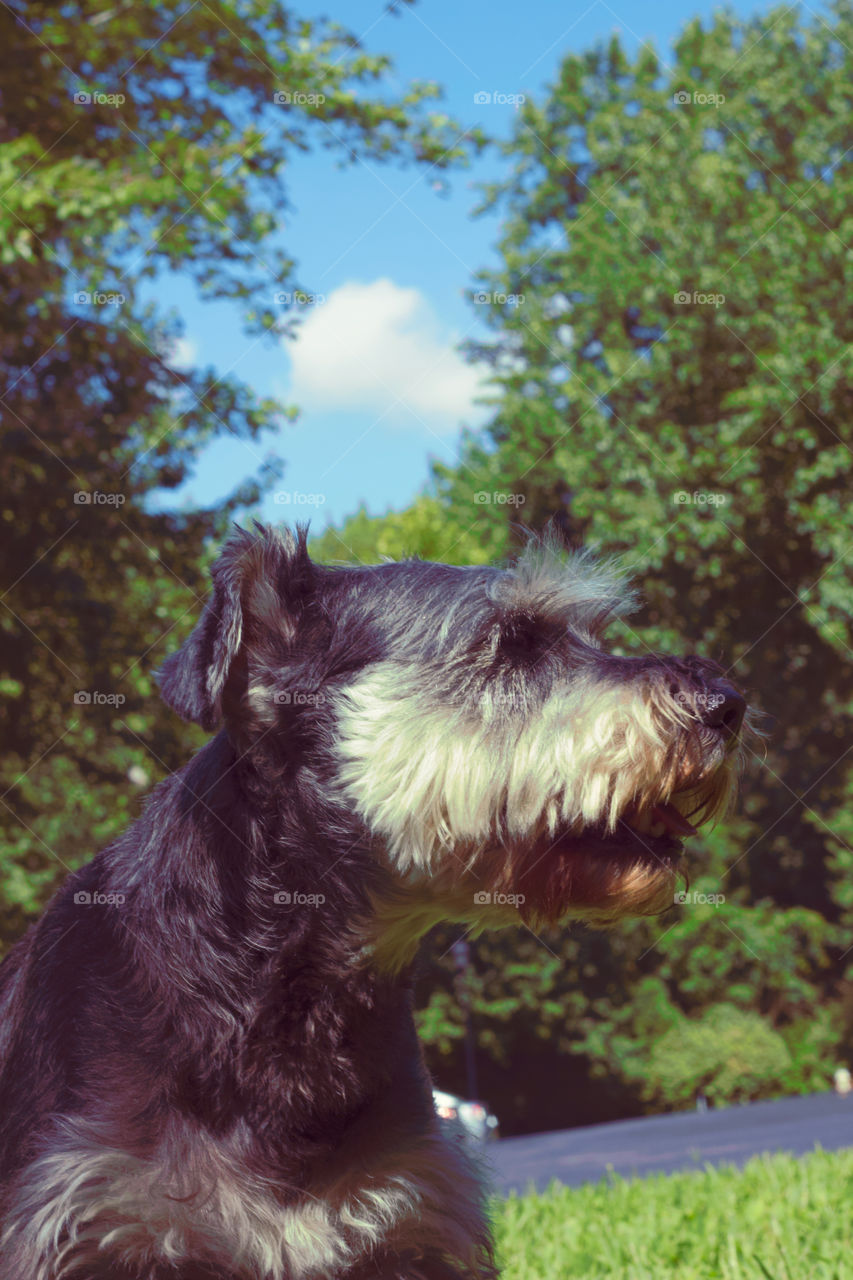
(92, 1203)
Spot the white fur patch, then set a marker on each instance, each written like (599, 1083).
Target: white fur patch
(430, 778)
(85, 1199)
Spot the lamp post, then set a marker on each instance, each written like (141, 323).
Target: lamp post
(461, 953)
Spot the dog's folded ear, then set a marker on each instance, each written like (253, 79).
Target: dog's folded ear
(260, 580)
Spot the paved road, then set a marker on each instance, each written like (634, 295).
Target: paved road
(662, 1144)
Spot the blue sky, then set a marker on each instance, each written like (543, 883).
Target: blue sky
(375, 369)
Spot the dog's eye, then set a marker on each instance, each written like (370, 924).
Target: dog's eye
(524, 637)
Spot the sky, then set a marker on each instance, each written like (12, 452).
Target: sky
(390, 263)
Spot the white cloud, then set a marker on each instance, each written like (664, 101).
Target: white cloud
(184, 354)
(381, 347)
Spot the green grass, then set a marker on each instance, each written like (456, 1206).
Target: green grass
(776, 1219)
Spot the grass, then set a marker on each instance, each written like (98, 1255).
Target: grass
(778, 1218)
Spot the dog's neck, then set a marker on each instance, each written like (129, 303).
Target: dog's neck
(273, 979)
(270, 863)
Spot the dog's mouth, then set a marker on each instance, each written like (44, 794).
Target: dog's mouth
(643, 832)
(659, 822)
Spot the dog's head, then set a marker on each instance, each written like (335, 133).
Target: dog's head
(469, 722)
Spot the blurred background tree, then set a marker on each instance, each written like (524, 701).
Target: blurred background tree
(671, 372)
(132, 143)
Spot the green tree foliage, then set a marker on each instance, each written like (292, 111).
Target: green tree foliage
(706, 439)
(727, 1055)
(428, 529)
(671, 361)
(136, 139)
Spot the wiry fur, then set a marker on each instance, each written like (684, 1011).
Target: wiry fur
(210, 1071)
(431, 777)
(511, 755)
(195, 1198)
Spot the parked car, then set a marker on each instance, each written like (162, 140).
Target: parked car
(472, 1120)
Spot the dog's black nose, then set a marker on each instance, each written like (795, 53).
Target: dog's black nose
(724, 708)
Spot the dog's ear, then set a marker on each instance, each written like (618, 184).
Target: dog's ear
(259, 582)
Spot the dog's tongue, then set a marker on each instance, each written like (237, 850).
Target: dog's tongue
(673, 820)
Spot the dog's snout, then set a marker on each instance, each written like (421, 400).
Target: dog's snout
(724, 709)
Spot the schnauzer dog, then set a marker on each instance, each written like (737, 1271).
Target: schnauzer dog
(208, 1063)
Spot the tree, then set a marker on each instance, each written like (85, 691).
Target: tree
(136, 139)
(428, 529)
(676, 383)
(727, 1055)
(671, 370)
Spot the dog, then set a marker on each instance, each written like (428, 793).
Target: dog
(208, 1062)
